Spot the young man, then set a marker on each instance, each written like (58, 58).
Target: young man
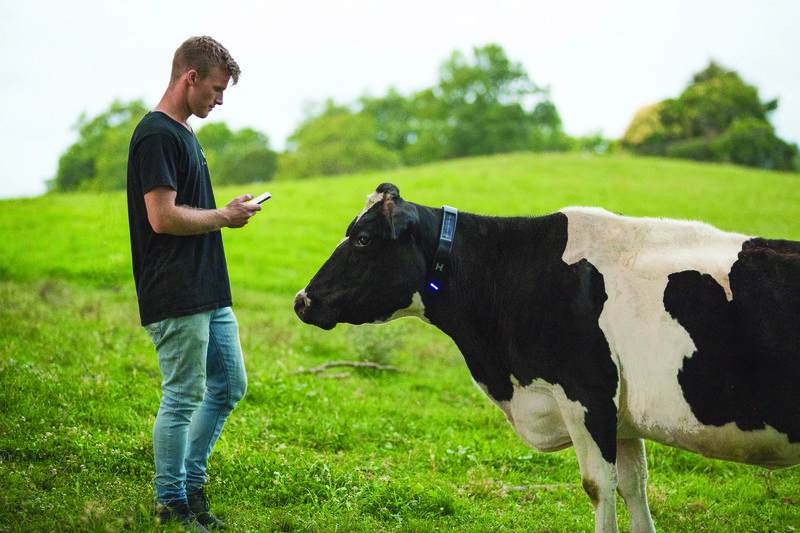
(182, 279)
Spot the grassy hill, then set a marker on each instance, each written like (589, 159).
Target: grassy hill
(85, 236)
(422, 450)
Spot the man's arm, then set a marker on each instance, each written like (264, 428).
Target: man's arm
(166, 217)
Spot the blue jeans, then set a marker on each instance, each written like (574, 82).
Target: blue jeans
(200, 358)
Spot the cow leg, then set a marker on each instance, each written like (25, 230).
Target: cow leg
(598, 476)
(632, 473)
(599, 480)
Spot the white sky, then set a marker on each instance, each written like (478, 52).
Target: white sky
(603, 60)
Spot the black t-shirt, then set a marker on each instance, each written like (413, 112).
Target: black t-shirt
(175, 275)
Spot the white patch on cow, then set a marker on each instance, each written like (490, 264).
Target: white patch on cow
(767, 448)
(650, 248)
(372, 199)
(534, 413)
(416, 309)
(545, 419)
(635, 256)
(302, 293)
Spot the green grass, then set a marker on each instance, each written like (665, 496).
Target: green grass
(418, 451)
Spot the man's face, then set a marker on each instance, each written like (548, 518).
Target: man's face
(206, 93)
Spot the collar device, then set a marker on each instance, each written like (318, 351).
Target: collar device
(441, 261)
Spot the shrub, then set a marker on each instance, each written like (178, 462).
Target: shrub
(247, 164)
(696, 149)
(753, 143)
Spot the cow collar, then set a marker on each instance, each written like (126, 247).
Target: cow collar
(441, 261)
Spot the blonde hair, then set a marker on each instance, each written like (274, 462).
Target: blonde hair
(203, 54)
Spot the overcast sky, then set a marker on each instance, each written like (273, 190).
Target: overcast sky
(602, 60)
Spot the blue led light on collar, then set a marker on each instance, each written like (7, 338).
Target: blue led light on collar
(441, 261)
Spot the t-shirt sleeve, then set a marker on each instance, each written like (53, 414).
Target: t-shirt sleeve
(157, 162)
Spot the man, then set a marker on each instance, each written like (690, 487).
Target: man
(182, 279)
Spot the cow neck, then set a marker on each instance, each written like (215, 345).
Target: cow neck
(440, 269)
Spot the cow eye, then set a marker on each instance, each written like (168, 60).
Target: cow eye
(363, 241)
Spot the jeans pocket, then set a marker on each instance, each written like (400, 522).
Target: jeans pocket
(154, 330)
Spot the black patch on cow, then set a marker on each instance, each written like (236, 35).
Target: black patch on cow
(746, 367)
(580, 350)
(538, 318)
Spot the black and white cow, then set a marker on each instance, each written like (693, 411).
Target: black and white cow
(592, 330)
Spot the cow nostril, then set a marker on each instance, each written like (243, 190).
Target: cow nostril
(300, 304)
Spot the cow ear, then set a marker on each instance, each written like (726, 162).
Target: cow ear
(404, 218)
(401, 216)
(389, 189)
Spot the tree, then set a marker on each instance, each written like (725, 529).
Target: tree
(214, 137)
(489, 79)
(237, 157)
(410, 127)
(718, 117)
(335, 142)
(484, 104)
(547, 135)
(709, 105)
(393, 118)
(646, 122)
(247, 159)
(752, 142)
(98, 160)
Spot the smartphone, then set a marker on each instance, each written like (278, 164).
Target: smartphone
(260, 199)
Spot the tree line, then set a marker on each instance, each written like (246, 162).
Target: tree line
(98, 160)
(483, 104)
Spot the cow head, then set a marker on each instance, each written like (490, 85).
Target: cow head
(374, 272)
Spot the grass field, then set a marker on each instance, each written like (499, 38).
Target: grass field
(417, 451)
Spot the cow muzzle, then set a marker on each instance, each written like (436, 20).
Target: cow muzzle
(301, 304)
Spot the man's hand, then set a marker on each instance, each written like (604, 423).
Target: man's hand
(238, 213)
(166, 217)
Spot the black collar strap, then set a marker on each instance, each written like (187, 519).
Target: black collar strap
(441, 261)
